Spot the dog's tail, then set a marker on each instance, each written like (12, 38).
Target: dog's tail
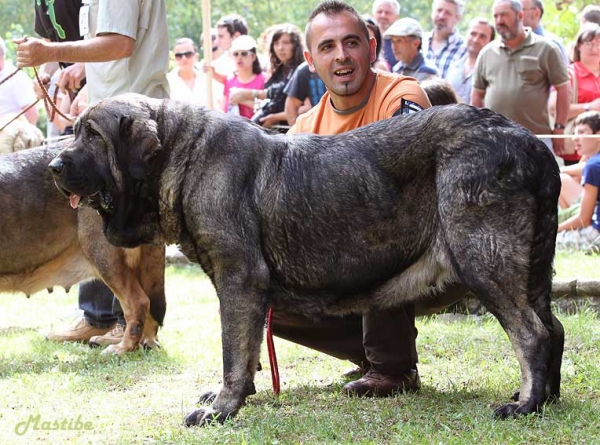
(546, 188)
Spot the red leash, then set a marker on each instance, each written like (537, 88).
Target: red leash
(272, 355)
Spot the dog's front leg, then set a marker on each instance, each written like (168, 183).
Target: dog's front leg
(242, 333)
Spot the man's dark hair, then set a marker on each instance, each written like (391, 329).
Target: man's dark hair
(234, 23)
(539, 4)
(591, 13)
(332, 8)
(439, 91)
(591, 119)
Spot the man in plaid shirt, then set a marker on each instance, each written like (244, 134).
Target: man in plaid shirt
(444, 44)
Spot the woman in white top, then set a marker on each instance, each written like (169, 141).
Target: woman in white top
(186, 81)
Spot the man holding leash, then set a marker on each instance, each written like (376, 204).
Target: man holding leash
(382, 343)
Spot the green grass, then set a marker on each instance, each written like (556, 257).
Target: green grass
(468, 368)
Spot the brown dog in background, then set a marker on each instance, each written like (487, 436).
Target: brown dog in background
(45, 243)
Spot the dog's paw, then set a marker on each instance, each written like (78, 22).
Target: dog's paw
(150, 343)
(514, 410)
(203, 417)
(208, 397)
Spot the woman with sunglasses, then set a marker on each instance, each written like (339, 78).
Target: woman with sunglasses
(285, 54)
(248, 75)
(186, 81)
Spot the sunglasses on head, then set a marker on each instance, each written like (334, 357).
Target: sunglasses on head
(186, 54)
(240, 53)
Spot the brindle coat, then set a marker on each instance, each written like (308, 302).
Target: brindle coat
(395, 211)
(45, 243)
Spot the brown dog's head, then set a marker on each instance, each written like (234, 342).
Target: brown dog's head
(112, 165)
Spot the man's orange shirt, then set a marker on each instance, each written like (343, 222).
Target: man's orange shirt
(384, 100)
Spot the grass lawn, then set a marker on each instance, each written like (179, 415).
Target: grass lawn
(467, 367)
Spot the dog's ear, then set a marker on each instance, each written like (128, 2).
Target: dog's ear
(140, 145)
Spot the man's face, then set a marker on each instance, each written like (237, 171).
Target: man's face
(478, 36)
(405, 48)
(507, 21)
(340, 53)
(384, 16)
(224, 39)
(444, 16)
(531, 14)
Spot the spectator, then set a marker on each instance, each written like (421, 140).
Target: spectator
(248, 75)
(16, 93)
(379, 63)
(460, 75)
(385, 13)
(585, 81)
(439, 91)
(186, 81)
(444, 45)
(533, 11)
(382, 342)
(228, 28)
(513, 76)
(126, 50)
(285, 54)
(303, 91)
(590, 14)
(582, 230)
(407, 38)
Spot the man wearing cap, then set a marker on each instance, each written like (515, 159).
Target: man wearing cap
(406, 36)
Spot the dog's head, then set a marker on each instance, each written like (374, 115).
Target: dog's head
(111, 166)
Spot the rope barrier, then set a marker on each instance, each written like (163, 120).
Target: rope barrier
(567, 136)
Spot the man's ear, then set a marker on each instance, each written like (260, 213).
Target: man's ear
(309, 60)
(373, 49)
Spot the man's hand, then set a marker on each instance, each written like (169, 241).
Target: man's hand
(71, 77)
(45, 79)
(32, 52)
(80, 102)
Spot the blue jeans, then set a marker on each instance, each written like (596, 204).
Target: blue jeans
(100, 307)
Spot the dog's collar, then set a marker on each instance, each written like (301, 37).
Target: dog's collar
(356, 107)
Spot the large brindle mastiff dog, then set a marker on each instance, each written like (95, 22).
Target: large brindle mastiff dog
(45, 243)
(392, 212)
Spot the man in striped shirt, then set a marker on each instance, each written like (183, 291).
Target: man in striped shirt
(444, 45)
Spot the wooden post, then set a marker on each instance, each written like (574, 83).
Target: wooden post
(206, 38)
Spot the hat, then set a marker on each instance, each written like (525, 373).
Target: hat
(404, 27)
(243, 43)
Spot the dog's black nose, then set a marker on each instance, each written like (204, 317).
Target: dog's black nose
(56, 166)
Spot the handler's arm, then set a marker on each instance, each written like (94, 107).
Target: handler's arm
(102, 48)
(477, 98)
(563, 99)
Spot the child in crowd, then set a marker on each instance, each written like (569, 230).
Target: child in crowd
(248, 75)
(582, 230)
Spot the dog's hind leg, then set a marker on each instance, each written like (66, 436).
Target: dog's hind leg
(531, 341)
(243, 314)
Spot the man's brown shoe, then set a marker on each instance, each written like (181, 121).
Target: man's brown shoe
(82, 331)
(376, 384)
(110, 338)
